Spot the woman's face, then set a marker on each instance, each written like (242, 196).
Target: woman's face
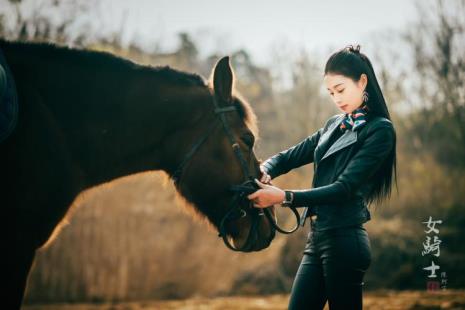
(346, 94)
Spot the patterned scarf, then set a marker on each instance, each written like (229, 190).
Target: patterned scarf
(355, 120)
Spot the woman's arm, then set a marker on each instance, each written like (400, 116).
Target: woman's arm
(295, 156)
(362, 166)
(374, 150)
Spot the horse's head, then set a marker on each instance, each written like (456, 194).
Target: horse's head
(221, 157)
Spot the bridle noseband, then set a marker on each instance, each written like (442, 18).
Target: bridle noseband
(240, 191)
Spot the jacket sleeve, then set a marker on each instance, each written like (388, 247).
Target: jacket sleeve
(295, 156)
(374, 150)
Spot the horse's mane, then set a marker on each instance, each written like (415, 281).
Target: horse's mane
(102, 59)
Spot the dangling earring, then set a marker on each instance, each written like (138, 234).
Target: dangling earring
(365, 96)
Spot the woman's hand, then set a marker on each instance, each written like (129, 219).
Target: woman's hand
(265, 178)
(266, 196)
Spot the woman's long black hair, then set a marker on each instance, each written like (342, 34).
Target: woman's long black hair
(350, 62)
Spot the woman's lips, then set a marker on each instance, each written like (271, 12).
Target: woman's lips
(343, 106)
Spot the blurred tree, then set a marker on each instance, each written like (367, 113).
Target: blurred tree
(34, 21)
(187, 50)
(437, 42)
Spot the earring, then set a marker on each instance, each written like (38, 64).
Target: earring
(365, 96)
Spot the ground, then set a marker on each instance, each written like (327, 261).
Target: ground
(379, 300)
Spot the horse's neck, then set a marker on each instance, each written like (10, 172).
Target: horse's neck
(114, 122)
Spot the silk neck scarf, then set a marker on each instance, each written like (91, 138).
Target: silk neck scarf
(355, 120)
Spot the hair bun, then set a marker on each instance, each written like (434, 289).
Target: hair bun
(353, 49)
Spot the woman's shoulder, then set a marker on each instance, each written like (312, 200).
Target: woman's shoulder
(380, 127)
(379, 121)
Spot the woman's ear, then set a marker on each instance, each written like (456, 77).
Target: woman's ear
(363, 81)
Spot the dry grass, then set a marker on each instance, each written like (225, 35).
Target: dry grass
(379, 300)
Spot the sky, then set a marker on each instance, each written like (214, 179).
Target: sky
(260, 27)
(273, 32)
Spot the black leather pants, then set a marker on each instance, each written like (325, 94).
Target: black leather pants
(332, 269)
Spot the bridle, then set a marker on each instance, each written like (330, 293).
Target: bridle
(240, 191)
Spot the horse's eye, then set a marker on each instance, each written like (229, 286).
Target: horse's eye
(248, 139)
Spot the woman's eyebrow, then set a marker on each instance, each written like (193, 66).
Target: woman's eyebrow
(336, 85)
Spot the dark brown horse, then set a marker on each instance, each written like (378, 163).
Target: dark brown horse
(88, 117)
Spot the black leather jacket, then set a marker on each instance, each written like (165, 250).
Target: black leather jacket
(342, 170)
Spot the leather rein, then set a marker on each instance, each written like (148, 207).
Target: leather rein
(240, 191)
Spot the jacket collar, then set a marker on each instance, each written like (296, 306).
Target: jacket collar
(348, 138)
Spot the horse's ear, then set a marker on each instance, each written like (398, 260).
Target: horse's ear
(223, 79)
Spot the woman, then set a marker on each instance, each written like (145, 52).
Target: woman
(354, 156)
